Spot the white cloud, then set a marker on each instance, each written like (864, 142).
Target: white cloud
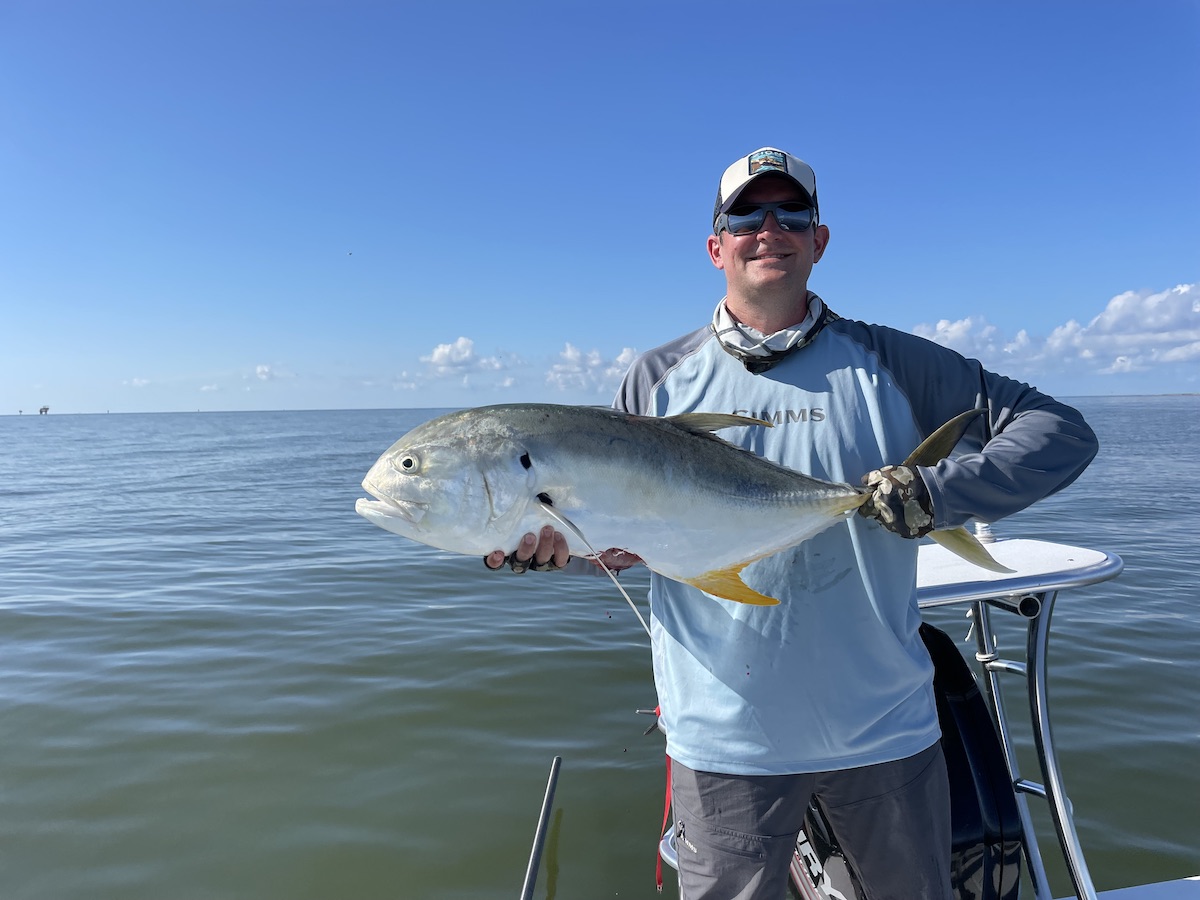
(972, 336)
(1186, 353)
(268, 372)
(1122, 364)
(404, 382)
(1138, 331)
(457, 366)
(1151, 314)
(459, 358)
(458, 363)
(589, 372)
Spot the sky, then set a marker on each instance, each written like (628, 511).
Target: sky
(251, 205)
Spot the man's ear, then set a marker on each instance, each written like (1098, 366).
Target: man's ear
(714, 251)
(820, 241)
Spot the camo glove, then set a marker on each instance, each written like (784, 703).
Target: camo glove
(547, 541)
(524, 565)
(899, 501)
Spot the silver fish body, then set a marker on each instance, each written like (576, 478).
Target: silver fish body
(694, 507)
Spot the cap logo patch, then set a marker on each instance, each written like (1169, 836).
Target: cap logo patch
(767, 161)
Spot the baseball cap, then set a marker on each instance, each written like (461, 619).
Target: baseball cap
(764, 161)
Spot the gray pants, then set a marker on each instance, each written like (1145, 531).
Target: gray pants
(735, 833)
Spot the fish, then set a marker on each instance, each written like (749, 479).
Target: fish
(694, 507)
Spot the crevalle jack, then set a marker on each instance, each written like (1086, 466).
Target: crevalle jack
(694, 507)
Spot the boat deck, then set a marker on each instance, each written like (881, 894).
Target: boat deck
(1183, 889)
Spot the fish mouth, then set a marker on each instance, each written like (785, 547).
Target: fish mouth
(389, 507)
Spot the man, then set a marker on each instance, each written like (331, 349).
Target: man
(829, 694)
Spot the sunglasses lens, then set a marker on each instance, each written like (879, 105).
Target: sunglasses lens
(793, 216)
(749, 219)
(745, 219)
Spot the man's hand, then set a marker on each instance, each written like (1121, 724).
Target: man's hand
(542, 552)
(899, 501)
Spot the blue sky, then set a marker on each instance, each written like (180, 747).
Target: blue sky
(288, 205)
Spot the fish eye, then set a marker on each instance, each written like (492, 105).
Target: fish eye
(409, 463)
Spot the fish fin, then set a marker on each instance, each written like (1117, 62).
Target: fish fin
(728, 584)
(933, 449)
(938, 445)
(962, 543)
(707, 423)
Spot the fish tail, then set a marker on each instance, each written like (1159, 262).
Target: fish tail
(932, 450)
(938, 445)
(962, 543)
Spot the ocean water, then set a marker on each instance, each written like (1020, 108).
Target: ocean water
(217, 681)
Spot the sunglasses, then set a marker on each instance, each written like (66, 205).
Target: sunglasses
(792, 215)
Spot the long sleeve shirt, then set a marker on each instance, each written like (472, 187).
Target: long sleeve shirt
(836, 675)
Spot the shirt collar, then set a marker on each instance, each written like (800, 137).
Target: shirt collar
(745, 340)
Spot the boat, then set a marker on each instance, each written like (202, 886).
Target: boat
(997, 852)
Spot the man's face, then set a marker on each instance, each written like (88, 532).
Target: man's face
(771, 260)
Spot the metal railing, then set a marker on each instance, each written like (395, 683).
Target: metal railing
(1031, 599)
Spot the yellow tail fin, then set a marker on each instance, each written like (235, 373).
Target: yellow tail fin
(962, 543)
(728, 584)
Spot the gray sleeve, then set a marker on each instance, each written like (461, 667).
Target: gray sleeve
(1027, 446)
(1033, 447)
(636, 393)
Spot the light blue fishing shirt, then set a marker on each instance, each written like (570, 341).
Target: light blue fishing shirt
(836, 675)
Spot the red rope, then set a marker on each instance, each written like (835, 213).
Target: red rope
(658, 870)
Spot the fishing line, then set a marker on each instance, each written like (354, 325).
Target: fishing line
(567, 523)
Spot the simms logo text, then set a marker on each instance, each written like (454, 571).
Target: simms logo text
(784, 416)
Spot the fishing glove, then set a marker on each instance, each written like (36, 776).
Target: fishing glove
(899, 501)
(525, 565)
(546, 539)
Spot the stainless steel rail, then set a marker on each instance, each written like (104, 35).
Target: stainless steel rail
(1031, 597)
